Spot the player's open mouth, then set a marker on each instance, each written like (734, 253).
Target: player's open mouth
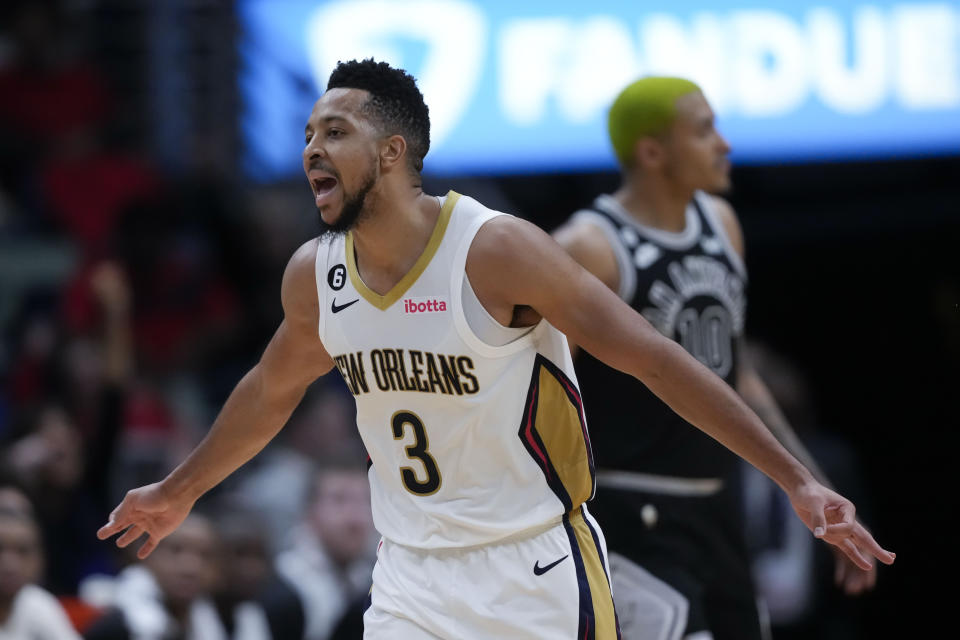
(323, 187)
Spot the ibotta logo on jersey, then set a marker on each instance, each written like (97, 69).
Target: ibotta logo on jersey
(424, 305)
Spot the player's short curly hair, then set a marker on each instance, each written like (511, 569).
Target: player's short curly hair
(396, 105)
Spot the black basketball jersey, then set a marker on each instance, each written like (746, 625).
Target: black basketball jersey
(691, 286)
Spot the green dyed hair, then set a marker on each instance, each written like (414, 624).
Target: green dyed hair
(646, 107)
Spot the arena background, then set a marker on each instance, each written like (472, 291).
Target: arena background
(162, 136)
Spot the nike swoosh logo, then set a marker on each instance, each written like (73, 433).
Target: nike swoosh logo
(539, 571)
(337, 309)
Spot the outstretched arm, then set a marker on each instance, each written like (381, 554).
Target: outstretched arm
(256, 410)
(513, 262)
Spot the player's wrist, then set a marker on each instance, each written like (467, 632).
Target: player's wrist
(179, 488)
(795, 478)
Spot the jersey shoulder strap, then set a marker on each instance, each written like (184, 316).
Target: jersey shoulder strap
(616, 234)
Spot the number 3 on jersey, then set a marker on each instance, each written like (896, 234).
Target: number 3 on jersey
(417, 450)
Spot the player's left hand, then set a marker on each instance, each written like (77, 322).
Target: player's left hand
(832, 518)
(850, 578)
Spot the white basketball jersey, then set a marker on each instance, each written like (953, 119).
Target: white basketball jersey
(469, 443)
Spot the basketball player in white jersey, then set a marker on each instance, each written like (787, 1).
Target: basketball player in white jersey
(674, 253)
(447, 322)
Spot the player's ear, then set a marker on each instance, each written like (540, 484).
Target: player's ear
(648, 152)
(393, 150)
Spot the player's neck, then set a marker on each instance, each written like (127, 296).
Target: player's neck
(655, 203)
(388, 242)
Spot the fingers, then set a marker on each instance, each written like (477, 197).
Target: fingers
(107, 530)
(115, 524)
(852, 583)
(148, 547)
(818, 521)
(841, 569)
(862, 538)
(850, 579)
(866, 542)
(853, 552)
(857, 582)
(131, 535)
(859, 546)
(840, 514)
(871, 579)
(841, 530)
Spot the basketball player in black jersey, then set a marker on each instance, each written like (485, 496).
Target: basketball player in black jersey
(668, 496)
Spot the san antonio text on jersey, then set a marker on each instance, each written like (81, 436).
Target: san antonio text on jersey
(691, 286)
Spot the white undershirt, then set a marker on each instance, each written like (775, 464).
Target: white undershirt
(483, 325)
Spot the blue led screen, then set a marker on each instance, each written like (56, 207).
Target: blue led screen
(524, 86)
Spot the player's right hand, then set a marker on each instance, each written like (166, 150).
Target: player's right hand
(832, 518)
(147, 510)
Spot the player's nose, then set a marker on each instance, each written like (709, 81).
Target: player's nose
(724, 145)
(313, 150)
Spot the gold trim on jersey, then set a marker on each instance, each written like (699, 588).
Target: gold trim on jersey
(559, 426)
(604, 616)
(383, 302)
(554, 432)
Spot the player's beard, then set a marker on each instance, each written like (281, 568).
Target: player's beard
(353, 209)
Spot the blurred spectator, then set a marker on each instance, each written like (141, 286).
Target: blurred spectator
(51, 463)
(88, 190)
(13, 497)
(190, 249)
(70, 424)
(250, 594)
(48, 459)
(278, 482)
(26, 610)
(51, 96)
(350, 625)
(55, 155)
(34, 335)
(332, 557)
(166, 597)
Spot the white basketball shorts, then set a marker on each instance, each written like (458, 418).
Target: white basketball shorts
(548, 584)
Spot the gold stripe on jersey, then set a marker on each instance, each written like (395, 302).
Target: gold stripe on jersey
(558, 423)
(383, 302)
(604, 616)
(554, 433)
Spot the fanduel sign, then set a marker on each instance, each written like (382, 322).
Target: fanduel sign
(520, 87)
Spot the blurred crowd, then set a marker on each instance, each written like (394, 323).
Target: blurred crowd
(132, 298)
